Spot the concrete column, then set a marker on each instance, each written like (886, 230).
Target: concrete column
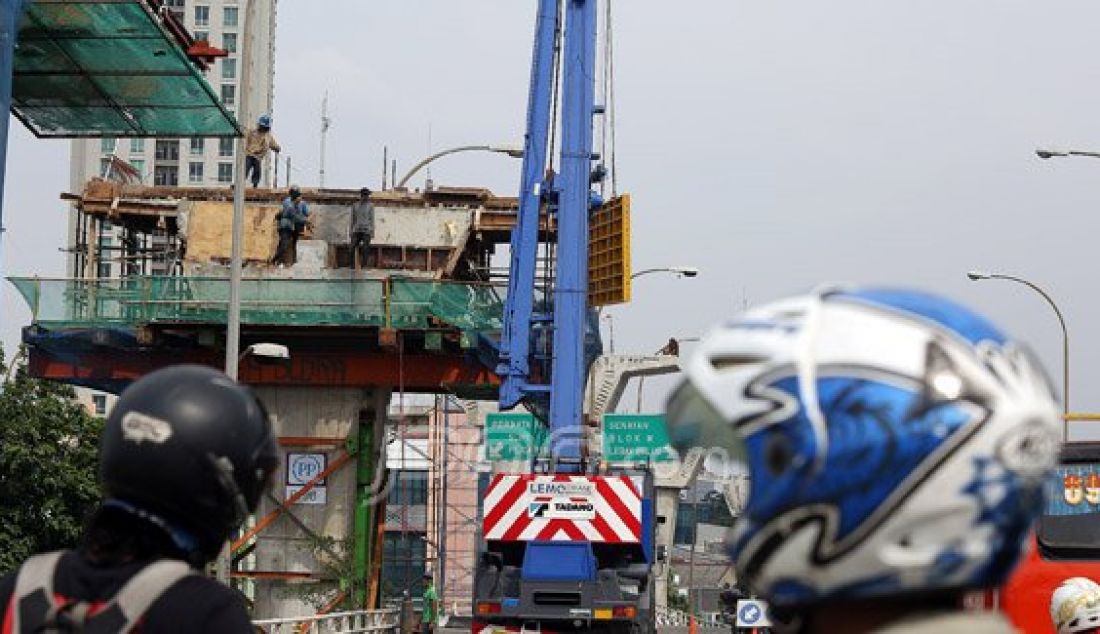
(668, 500)
(326, 413)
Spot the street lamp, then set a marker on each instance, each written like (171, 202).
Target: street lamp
(262, 353)
(512, 151)
(679, 271)
(981, 275)
(266, 352)
(1046, 153)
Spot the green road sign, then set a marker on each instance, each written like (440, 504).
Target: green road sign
(513, 436)
(636, 438)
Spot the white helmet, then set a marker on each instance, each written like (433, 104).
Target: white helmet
(896, 443)
(1075, 606)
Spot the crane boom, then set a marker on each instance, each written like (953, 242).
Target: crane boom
(515, 343)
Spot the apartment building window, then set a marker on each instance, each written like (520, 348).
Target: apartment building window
(411, 487)
(225, 172)
(229, 16)
(202, 15)
(229, 94)
(166, 175)
(137, 146)
(229, 69)
(99, 404)
(176, 7)
(225, 147)
(107, 145)
(168, 150)
(198, 144)
(194, 173)
(229, 42)
(139, 165)
(104, 167)
(202, 36)
(403, 563)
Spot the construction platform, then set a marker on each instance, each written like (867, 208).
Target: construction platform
(414, 316)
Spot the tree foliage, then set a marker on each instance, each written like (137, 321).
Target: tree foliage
(48, 445)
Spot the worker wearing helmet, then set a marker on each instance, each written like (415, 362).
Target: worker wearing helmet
(257, 144)
(1075, 607)
(291, 222)
(896, 443)
(184, 457)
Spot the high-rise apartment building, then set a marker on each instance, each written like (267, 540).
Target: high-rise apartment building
(186, 162)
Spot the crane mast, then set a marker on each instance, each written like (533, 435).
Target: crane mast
(572, 186)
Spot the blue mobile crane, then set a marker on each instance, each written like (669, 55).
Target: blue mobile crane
(565, 548)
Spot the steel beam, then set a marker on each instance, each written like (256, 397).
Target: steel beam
(417, 372)
(10, 10)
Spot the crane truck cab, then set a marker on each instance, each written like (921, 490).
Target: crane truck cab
(563, 552)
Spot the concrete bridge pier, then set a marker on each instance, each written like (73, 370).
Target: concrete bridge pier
(321, 549)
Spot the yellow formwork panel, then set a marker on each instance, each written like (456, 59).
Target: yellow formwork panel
(609, 253)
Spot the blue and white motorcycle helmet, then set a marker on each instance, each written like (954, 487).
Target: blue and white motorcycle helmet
(895, 442)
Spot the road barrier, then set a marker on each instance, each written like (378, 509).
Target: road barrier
(343, 622)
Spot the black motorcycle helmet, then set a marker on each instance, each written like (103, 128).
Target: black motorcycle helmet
(189, 446)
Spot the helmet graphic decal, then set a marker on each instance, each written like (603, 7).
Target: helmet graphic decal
(138, 427)
(884, 444)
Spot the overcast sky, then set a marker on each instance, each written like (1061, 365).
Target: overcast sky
(773, 145)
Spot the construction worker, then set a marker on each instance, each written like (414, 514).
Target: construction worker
(362, 227)
(291, 222)
(431, 605)
(1075, 607)
(897, 446)
(184, 457)
(257, 144)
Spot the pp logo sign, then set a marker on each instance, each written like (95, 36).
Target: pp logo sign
(752, 613)
(303, 468)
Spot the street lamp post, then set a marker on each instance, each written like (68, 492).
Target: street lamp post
(1046, 153)
(980, 275)
(610, 331)
(514, 152)
(680, 271)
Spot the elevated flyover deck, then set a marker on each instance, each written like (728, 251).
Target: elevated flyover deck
(420, 334)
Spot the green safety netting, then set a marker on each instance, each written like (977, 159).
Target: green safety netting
(109, 68)
(133, 301)
(464, 306)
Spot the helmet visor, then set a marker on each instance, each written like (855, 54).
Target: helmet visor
(694, 422)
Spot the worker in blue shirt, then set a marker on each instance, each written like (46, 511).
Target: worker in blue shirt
(292, 220)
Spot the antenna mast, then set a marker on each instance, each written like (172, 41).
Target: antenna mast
(325, 122)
